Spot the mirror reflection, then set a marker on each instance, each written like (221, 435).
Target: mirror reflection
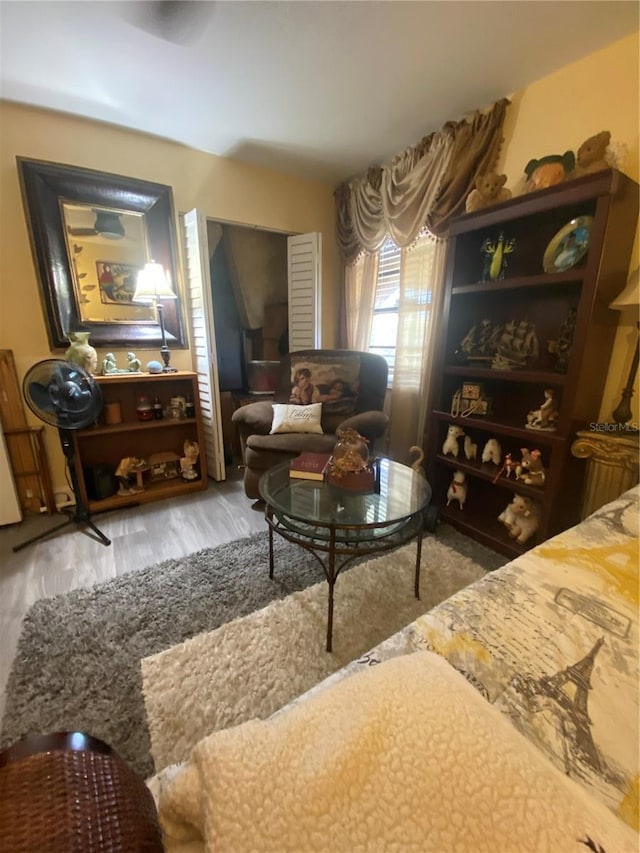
(106, 247)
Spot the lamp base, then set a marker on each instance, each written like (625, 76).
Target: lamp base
(166, 357)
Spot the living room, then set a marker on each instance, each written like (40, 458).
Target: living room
(549, 115)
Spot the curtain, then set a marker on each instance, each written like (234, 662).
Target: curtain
(426, 184)
(361, 279)
(421, 293)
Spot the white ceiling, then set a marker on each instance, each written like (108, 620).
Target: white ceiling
(316, 89)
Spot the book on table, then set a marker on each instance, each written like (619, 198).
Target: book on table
(309, 466)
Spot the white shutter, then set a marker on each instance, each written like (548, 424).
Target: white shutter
(203, 339)
(304, 272)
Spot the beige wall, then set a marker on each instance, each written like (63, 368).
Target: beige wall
(557, 113)
(221, 188)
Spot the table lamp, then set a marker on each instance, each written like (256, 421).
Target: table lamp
(152, 286)
(629, 298)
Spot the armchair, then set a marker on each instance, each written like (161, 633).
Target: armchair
(360, 410)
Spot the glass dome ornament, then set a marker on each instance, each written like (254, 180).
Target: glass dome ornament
(350, 453)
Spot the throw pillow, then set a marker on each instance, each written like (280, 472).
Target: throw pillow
(330, 380)
(296, 418)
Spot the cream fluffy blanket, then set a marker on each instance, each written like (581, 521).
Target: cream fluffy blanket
(406, 756)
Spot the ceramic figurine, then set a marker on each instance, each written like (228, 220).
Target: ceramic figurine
(451, 441)
(544, 418)
(457, 490)
(129, 474)
(133, 364)
(495, 260)
(109, 364)
(188, 461)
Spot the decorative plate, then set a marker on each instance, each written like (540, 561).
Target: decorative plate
(567, 246)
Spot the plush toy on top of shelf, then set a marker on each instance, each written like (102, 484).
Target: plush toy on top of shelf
(489, 189)
(549, 171)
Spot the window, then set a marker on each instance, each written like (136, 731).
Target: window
(384, 323)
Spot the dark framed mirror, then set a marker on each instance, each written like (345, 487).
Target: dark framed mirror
(91, 232)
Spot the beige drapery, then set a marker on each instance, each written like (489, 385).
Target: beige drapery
(361, 279)
(425, 185)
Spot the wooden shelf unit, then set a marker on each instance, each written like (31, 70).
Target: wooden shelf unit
(544, 300)
(108, 444)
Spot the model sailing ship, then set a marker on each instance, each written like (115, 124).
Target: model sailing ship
(503, 347)
(516, 344)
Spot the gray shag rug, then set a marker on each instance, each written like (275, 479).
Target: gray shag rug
(78, 661)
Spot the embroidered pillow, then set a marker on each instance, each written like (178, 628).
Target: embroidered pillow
(296, 418)
(330, 380)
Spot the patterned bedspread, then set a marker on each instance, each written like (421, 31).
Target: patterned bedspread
(551, 640)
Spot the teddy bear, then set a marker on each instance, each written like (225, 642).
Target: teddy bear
(592, 154)
(549, 171)
(489, 189)
(521, 518)
(457, 490)
(531, 470)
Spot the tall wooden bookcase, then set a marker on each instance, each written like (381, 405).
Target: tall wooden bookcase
(543, 300)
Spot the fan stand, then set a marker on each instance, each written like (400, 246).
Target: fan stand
(80, 515)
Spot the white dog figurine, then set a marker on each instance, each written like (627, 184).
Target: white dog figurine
(492, 452)
(451, 441)
(470, 448)
(458, 489)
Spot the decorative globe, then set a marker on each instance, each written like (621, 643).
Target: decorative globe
(154, 367)
(351, 453)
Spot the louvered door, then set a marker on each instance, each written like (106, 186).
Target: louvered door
(203, 339)
(304, 269)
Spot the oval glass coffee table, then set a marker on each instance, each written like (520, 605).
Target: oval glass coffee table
(338, 526)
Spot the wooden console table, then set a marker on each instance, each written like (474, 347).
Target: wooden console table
(612, 466)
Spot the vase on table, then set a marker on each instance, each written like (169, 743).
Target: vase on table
(81, 352)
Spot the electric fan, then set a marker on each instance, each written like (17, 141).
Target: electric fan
(64, 395)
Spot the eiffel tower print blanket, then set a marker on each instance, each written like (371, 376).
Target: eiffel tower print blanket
(551, 640)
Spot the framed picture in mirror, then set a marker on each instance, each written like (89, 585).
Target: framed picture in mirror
(91, 233)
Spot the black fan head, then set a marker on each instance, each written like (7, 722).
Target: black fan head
(62, 394)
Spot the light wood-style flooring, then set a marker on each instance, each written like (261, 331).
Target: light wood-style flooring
(141, 536)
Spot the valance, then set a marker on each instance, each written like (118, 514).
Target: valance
(425, 185)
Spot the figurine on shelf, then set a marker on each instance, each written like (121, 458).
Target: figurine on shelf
(188, 461)
(492, 451)
(561, 346)
(134, 364)
(546, 417)
(470, 448)
(531, 470)
(495, 256)
(457, 490)
(508, 466)
(129, 473)
(521, 518)
(109, 364)
(451, 441)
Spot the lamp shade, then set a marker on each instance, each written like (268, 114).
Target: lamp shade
(153, 284)
(630, 296)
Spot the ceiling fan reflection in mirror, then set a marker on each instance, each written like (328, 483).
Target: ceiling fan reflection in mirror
(108, 224)
(65, 396)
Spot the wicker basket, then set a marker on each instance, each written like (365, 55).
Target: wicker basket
(69, 793)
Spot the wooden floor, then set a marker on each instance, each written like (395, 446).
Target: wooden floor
(140, 536)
